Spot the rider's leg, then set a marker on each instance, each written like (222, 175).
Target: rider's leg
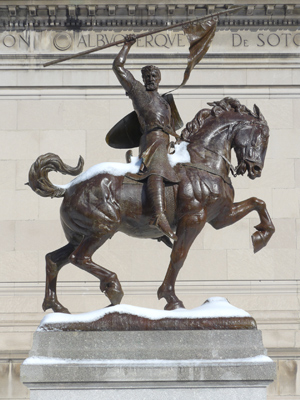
(156, 196)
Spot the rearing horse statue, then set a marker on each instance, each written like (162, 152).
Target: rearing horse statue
(97, 205)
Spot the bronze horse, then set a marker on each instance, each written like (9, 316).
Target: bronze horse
(93, 210)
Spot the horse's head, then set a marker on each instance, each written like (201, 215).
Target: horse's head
(250, 144)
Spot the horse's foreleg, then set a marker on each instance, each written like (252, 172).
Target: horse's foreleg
(82, 258)
(265, 228)
(54, 262)
(188, 228)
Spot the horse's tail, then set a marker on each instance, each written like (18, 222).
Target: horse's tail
(38, 174)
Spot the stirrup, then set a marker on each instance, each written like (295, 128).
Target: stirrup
(160, 221)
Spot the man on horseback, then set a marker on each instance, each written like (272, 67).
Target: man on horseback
(156, 124)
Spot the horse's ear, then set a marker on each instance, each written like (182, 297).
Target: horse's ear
(258, 113)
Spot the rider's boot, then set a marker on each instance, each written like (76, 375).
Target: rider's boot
(156, 195)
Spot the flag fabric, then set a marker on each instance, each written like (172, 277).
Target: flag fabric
(200, 35)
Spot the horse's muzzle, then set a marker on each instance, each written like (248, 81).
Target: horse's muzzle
(254, 169)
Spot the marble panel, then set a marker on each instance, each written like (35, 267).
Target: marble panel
(48, 209)
(8, 108)
(266, 264)
(297, 173)
(66, 143)
(10, 384)
(205, 265)
(94, 77)
(18, 205)
(287, 377)
(298, 233)
(7, 234)
(19, 145)
(279, 338)
(39, 78)
(40, 114)
(285, 203)
(7, 175)
(42, 235)
(15, 341)
(22, 170)
(284, 143)
(277, 173)
(232, 237)
(85, 114)
(270, 76)
(19, 266)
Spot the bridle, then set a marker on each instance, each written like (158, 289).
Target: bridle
(244, 158)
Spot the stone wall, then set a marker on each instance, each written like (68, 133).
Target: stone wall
(68, 110)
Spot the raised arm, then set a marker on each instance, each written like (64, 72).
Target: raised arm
(125, 77)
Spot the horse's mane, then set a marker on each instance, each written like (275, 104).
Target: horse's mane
(228, 104)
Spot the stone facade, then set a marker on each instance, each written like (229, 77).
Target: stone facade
(68, 109)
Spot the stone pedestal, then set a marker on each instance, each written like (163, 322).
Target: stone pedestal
(148, 365)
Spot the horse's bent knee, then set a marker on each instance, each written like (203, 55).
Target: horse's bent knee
(260, 204)
(75, 260)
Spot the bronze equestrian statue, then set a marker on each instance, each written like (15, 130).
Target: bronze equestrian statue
(95, 208)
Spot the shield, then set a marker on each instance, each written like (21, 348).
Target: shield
(127, 133)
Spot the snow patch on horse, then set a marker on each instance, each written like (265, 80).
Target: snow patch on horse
(181, 155)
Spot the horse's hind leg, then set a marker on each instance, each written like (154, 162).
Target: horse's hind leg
(82, 258)
(54, 262)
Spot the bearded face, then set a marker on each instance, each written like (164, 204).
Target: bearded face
(151, 78)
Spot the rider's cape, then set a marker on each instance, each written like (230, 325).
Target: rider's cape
(127, 133)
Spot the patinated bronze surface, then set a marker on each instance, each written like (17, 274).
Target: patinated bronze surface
(94, 210)
(129, 322)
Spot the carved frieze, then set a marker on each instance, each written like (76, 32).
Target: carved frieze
(39, 15)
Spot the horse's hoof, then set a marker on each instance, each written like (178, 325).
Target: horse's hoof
(174, 306)
(114, 295)
(164, 291)
(113, 290)
(55, 306)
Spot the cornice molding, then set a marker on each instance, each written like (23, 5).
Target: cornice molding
(39, 15)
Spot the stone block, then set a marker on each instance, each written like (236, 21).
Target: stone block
(266, 264)
(67, 144)
(42, 235)
(48, 209)
(277, 173)
(18, 205)
(149, 365)
(232, 237)
(284, 143)
(22, 170)
(8, 107)
(287, 374)
(19, 145)
(285, 203)
(7, 233)
(40, 115)
(7, 175)
(269, 76)
(279, 338)
(39, 78)
(94, 77)
(19, 266)
(10, 385)
(85, 114)
(297, 173)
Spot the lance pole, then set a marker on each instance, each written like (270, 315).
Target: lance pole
(106, 46)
